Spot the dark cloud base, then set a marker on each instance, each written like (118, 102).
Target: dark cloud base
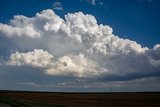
(33, 79)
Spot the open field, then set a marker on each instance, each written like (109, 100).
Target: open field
(48, 99)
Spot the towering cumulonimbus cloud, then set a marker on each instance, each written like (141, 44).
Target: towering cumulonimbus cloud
(76, 45)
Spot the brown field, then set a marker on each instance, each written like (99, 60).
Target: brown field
(55, 99)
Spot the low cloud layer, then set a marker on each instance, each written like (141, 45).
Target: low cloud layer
(77, 46)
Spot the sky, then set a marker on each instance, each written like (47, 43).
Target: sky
(80, 45)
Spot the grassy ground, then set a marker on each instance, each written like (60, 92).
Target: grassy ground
(47, 99)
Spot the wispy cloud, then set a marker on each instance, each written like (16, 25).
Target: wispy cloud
(145, 0)
(57, 6)
(103, 5)
(92, 2)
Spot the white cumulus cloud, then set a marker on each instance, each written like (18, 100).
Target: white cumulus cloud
(27, 30)
(76, 45)
(66, 65)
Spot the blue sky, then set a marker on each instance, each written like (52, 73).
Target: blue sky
(44, 48)
(136, 19)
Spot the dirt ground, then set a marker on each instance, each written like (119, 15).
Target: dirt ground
(52, 99)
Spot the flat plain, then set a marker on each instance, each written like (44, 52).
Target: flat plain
(87, 99)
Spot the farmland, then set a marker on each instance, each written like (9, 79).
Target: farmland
(59, 99)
